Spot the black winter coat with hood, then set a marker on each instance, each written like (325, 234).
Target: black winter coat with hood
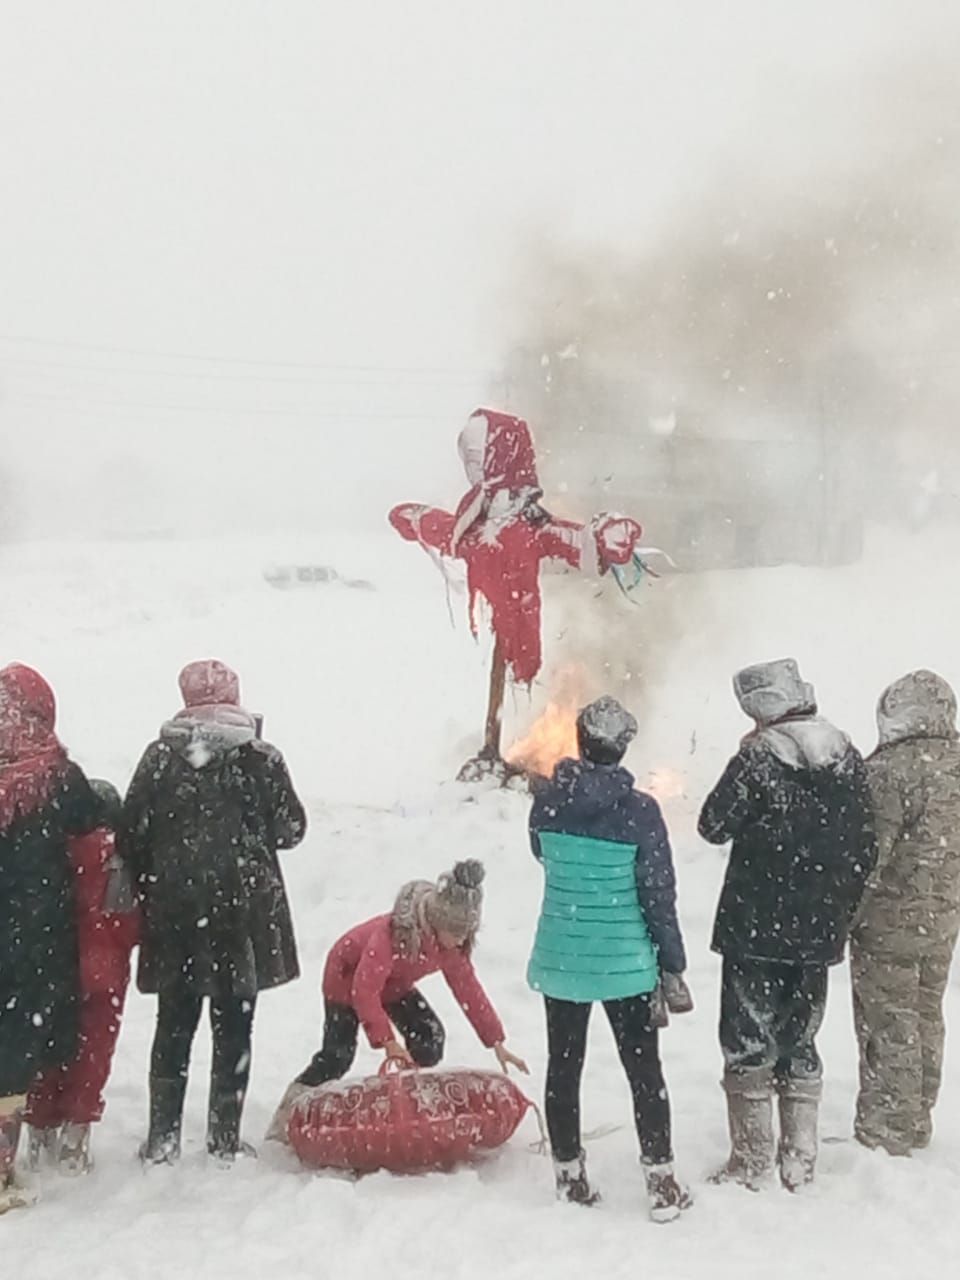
(39, 964)
(795, 803)
(207, 810)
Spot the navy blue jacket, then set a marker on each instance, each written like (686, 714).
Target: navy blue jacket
(599, 801)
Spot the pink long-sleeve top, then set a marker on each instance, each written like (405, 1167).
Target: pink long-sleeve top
(366, 971)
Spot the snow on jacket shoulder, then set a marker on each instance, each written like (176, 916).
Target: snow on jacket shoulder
(205, 814)
(365, 972)
(600, 802)
(795, 804)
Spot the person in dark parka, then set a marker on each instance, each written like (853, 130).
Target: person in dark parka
(44, 799)
(206, 812)
(795, 804)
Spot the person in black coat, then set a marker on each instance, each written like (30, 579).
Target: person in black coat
(794, 803)
(44, 799)
(207, 810)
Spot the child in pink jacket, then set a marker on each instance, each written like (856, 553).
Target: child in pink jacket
(371, 975)
(65, 1101)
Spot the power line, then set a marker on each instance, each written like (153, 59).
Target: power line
(16, 363)
(73, 345)
(709, 366)
(33, 400)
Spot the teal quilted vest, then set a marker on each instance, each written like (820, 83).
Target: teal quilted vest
(592, 940)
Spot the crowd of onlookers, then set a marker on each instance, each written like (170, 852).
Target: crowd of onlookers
(826, 848)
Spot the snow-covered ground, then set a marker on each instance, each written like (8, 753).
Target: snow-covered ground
(375, 700)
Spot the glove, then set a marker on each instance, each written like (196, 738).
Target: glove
(676, 993)
(659, 1018)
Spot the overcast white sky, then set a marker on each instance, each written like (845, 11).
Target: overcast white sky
(342, 186)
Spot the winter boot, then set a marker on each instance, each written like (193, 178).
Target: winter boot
(572, 1184)
(42, 1147)
(223, 1127)
(799, 1107)
(668, 1197)
(893, 1144)
(74, 1157)
(750, 1117)
(12, 1194)
(923, 1131)
(166, 1118)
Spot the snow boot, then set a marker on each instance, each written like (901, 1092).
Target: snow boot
(750, 1117)
(572, 1184)
(74, 1157)
(799, 1108)
(223, 1127)
(229, 1076)
(13, 1195)
(892, 1144)
(668, 1197)
(923, 1131)
(277, 1131)
(166, 1119)
(42, 1147)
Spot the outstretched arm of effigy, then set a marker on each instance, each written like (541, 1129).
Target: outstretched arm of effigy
(606, 540)
(429, 526)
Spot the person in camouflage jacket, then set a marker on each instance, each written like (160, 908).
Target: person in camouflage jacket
(906, 930)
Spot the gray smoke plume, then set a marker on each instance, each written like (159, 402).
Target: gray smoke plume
(786, 342)
(819, 302)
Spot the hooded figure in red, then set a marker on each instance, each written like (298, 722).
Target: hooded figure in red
(44, 800)
(503, 534)
(65, 1100)
(32, 760)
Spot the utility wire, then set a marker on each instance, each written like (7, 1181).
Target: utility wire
(73, 345)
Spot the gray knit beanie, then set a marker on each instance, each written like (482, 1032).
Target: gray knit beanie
(605, 729)
(456, 904)
(453, 905)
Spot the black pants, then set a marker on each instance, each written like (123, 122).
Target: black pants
(421, 1030)
(638, 1046)
(231, 1022)
(770, 1015)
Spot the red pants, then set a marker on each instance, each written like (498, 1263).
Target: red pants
(74, 1094)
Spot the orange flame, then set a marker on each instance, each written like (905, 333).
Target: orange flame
(553, 734)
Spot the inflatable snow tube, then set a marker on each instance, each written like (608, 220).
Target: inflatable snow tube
(405, 1121)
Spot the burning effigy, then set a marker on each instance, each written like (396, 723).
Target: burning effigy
(503, 534)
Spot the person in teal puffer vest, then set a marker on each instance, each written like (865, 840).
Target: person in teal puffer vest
(608, 931)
